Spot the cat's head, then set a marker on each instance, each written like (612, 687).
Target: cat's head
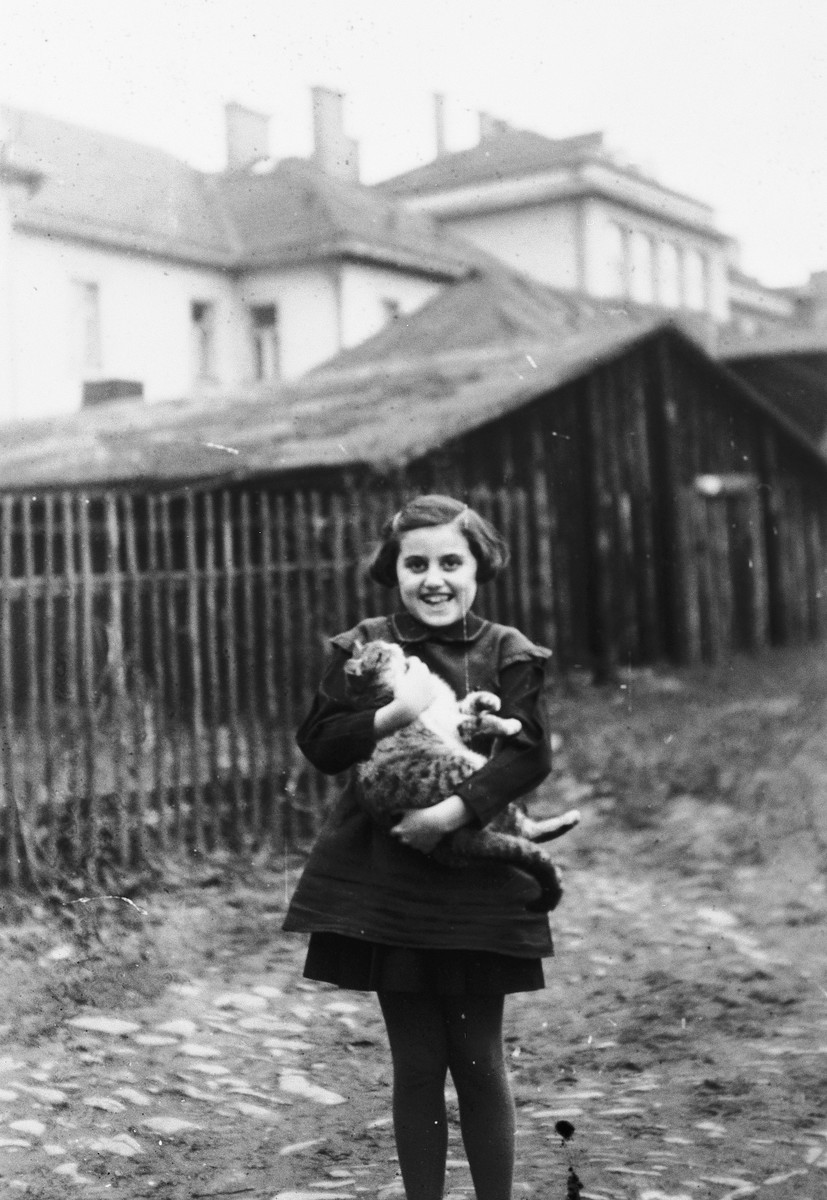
(373, 671)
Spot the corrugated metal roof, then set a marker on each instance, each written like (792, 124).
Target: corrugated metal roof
(120, 193)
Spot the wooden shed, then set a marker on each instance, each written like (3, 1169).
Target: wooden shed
(169, 576)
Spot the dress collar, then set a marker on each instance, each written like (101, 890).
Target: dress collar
(408, 629)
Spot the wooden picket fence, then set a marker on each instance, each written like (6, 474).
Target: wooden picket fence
(157, 652)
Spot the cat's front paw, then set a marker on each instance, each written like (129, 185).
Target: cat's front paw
(476, 703)
(494, 726)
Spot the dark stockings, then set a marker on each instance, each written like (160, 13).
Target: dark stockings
(429, 1036)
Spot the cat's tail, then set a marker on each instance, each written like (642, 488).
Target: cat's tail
(551, 828)
(551, 891)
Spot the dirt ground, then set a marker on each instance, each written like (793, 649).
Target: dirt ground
(168, 1047)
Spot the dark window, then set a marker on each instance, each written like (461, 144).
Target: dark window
(266, 352)
(203, 332)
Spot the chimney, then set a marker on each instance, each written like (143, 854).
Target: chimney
(248, 136)
(491, 126)
(439, 122)
(333, 150)
(816, 305)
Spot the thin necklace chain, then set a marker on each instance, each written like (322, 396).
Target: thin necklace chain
(465, 651)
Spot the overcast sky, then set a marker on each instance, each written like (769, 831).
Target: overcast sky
(723, 99)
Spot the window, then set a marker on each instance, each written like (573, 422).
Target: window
(614, 258)
(202, 314)
(696, 279)
(265, 333)
(669, 275)
(641, 268)
(87, 322)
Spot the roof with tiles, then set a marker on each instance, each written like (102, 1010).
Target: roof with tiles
(505, 154)
(119, 193)
(295, 212)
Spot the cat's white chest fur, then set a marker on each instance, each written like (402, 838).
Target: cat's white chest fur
(443, 717)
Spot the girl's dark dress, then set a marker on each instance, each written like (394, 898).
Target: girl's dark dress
(383, 916)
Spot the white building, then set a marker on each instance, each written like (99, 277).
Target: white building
(569, 214)
(124, 271)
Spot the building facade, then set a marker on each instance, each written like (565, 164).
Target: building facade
(125, 272)
(569, 214)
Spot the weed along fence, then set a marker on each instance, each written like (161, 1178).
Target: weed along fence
(157, 653)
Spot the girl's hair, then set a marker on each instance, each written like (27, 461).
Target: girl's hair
(486, 545)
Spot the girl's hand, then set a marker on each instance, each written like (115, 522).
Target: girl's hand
(415, 691)
(424, 827)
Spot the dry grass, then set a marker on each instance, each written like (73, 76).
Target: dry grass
(747, 738)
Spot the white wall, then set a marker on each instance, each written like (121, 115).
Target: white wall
(364, 292)
(145, 324)
(6, 332)
(146, 320)
(307, 300)
(540, 240)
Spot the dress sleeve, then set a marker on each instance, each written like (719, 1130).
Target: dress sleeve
(335, 735)
(523, 761)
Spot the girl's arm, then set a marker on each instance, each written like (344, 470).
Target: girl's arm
(521, 763)
(524, 760)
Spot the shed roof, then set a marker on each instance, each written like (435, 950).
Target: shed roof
(377, 414)
(789, 367)
(116, 192)
(787, 339)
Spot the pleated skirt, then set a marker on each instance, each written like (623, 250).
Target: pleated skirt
(366, 966)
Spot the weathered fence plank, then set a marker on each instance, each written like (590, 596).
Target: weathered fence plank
(143, 725)
(11, 785)
(211, 584)
(230, 577)
(195, 643)
(249, 648)
(90, 835)
(50, 668)
(159, 671)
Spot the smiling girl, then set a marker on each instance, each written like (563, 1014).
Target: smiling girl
(441, 947)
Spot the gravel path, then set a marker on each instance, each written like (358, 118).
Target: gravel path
(683, 1034)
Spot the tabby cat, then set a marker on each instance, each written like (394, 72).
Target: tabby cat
(423, 763)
